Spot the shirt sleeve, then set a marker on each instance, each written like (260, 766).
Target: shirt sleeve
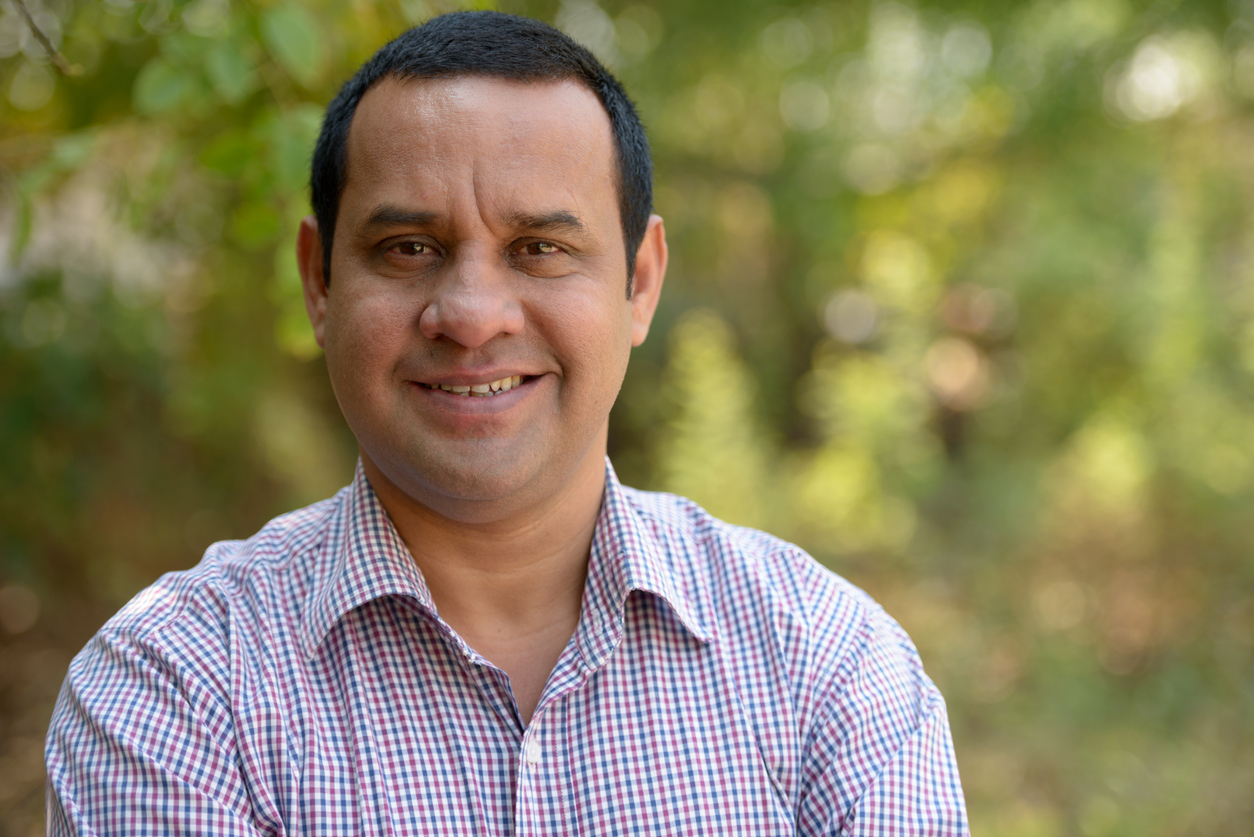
(880, 762)
(133, 748)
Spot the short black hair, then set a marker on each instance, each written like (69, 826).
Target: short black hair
(490, 44)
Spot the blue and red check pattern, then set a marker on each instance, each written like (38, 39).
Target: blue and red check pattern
(720, 682)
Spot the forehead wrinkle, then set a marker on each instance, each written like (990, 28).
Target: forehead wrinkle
(496, 184)
(506, 208)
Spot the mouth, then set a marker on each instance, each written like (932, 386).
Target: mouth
(482, 390)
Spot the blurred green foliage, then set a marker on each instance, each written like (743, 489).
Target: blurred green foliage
(961, 300)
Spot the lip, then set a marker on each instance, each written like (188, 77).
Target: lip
(466, 405)
(477, 379)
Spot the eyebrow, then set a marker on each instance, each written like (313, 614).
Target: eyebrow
(388, 215)
(558, 220)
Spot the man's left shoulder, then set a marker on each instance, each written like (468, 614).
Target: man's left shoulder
(831, 684)
(756, 586)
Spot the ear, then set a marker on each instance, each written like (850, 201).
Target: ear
(646, 286)
(309, 261)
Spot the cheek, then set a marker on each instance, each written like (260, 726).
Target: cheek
(364, 341)
(591, 332)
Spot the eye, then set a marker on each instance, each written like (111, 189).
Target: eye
(541, 248)
(411, 248)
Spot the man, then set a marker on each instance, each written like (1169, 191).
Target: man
(485, 633)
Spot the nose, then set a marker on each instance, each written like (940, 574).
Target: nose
(472, 303)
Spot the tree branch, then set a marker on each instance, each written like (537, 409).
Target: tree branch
(58, 60)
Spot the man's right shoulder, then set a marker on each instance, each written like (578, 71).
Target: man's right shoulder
(278, 563)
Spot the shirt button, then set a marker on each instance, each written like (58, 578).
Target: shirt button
(532, 752)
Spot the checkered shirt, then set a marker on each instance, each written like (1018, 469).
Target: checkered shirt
(720, 682)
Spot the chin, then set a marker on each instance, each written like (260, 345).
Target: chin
(456, 485)
(459, 485)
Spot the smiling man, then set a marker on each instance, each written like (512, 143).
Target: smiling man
(485, 633)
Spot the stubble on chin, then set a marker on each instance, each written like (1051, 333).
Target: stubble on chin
(470, 480)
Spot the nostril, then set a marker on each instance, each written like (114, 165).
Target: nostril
(471, 316)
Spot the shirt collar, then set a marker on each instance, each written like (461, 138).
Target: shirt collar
(364, 559)
(628, 555)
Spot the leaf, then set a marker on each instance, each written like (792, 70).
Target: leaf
(72, 150)
(255, 224)
(229, 152)
(292, 137)
(294, 40)
(230, 71)
(160, 87)
(35, 180)
(184, 47)
(20, 234)
(307, 121)
(292, 331)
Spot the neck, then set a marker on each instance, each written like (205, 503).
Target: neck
(512, 586)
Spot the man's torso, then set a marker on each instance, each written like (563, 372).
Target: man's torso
(716, 684)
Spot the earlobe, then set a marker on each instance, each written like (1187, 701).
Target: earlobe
(309, 262)
(647, 283)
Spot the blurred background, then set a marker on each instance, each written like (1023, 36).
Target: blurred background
(961, 300)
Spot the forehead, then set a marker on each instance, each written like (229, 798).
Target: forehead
(481, 129)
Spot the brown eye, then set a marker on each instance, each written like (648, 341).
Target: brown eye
(411, 248)
(541, 248)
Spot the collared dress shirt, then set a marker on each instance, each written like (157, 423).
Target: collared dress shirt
(302, 682)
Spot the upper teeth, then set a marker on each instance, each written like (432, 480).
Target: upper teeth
(491, 388)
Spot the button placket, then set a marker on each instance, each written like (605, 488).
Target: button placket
(532, 751)
(526, 815)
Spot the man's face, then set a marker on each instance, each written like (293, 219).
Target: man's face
(479, 243)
